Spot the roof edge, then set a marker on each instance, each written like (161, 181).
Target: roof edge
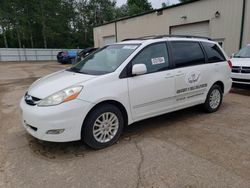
(148, 12)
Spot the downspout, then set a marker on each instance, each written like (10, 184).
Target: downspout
(116, 32)
(242, 23)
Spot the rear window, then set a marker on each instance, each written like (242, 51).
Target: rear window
(214, 54)
(186, 53)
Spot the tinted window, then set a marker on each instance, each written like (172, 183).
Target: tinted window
(214, 53)
(155, 57)
(187, 53)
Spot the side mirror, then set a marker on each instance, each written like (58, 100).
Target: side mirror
(139, 69)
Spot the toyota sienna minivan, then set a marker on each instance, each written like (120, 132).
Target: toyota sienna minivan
(123, 83)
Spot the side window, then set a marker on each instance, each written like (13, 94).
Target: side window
(155, 57)
(214, 53)
(186, 53)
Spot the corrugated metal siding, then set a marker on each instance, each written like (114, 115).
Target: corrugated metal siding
(246, 38)
(101, 32)
(29, 54)
(226, 27)
(196, 29)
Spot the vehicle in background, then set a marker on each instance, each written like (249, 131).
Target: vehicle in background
(84, 53)
(241, 66)
(67, 56)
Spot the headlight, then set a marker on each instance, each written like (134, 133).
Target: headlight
(65, 95)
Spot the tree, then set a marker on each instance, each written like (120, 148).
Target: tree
(90, 13)
(59, 23)
(4, 22)
(121, 11)
(138, 6)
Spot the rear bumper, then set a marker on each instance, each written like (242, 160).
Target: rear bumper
(227, 86)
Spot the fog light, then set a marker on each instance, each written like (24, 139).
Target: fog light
(55, 131)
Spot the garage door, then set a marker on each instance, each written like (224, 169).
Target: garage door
(109, 40)
(196, 29)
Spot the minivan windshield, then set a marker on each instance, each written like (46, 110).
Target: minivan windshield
(243, 53)
(105, 60)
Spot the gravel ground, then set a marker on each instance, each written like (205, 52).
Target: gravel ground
(187, 148)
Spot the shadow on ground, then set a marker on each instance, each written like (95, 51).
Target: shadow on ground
(69, 150)
(241, 89)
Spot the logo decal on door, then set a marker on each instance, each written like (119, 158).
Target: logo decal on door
(193, 78)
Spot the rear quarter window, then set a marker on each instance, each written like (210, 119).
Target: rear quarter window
(214, 54)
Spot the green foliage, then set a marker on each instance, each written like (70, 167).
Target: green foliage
(59, 23)
(138, 6)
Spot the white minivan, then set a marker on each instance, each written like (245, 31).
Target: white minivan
(123, 83)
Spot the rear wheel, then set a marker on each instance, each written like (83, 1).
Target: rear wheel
(103, 126)
(214, 99)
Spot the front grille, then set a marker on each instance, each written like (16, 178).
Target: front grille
(30, 100)
(245, 70)
(241, 80)
(238, 69)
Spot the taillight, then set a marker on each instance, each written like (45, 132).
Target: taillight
(65, 54)
(230, 64)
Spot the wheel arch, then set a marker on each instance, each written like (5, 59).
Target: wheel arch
(119, 105)
(220, 83)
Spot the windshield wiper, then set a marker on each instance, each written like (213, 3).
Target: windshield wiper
(74, 69)
(238, 56)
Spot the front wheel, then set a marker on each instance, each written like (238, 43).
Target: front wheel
(214, 99)
(103, 126)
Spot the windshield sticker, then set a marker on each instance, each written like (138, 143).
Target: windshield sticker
(129, 47)
(158, 60)
(193, 78)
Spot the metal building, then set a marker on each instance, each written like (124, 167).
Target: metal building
(225, 21)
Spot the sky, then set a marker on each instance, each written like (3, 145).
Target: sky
(155, 3)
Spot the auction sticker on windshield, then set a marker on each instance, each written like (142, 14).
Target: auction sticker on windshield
(158, 60)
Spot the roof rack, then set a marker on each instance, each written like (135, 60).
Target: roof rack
(141, 38)
(164, 36)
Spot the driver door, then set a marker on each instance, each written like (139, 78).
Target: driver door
(152, 93)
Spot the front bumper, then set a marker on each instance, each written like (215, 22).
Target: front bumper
(68, 117)
(241, 78)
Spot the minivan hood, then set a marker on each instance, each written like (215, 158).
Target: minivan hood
(55, 82)
(242, 62)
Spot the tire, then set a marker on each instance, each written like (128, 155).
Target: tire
(98, 121)
(214, 99)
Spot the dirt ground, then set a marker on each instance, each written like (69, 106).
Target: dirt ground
(186, 149)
